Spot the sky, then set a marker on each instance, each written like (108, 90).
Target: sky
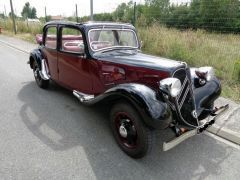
(67, 8)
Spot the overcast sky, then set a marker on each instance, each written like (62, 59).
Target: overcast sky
(67, 7)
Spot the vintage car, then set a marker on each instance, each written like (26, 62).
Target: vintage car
(102, 62)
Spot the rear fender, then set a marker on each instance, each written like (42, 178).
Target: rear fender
(36, 56)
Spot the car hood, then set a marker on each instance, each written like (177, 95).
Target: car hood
(143, 60)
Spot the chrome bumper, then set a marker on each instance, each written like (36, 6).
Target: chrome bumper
(171, 144)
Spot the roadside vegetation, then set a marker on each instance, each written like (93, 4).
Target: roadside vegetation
(198, 48)
(195, 33)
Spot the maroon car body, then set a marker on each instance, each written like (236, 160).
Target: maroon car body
(102, 62)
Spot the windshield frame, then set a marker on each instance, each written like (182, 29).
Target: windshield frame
(113, 47)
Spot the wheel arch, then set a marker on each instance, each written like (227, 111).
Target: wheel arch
(35, 55)
(154, 112)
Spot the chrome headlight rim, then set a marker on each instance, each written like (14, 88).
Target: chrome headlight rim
(207, 73)
(172, 85)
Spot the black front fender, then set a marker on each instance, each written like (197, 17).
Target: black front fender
(206, 95)
(155, 113)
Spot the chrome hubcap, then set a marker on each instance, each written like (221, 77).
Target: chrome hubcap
(126, 131)
(123, 131)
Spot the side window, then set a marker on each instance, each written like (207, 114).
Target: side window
(71, 40)
(51, 38)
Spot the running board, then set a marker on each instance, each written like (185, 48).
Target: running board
(82, 97)
(171, 144)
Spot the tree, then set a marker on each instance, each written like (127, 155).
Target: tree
(10, 15)
(219, 15)
(157, 10)
(103, 17)
(34, 13)
(179, 17)
(28, 11)
(2, 15)
(212, 15)
(119, 12)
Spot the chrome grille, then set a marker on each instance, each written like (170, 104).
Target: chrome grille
(184, 100)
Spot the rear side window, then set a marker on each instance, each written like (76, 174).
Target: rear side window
(51, 38)
(71, 40)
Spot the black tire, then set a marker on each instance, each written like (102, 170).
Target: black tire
(40, 82)
(139, 137)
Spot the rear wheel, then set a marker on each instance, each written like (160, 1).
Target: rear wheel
(36, 72)
(133, 137)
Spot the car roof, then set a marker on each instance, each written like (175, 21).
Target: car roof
(93, 24)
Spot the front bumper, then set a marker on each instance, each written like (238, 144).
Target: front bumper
(204, 126)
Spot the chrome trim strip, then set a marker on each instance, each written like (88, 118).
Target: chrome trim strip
(147, 75)
(171, 144)
(192, 95)
(171, 105)
(82, 97)
(183, 86)
(184, 97)
(107, 73)
(110, 29)
(178, 70)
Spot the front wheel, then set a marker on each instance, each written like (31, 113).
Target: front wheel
(133, 137)
(36, 72)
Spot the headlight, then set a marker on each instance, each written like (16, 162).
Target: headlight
(206, 73)
(171, 85)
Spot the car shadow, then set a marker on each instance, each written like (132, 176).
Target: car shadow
(59, 121)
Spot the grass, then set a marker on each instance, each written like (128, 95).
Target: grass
(24, 36)
(197, 48)
(25, 31)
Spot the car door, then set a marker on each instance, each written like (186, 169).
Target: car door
(74, 68)
(50, 51)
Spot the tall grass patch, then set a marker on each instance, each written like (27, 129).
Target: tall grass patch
(21, 26)
(198, 48)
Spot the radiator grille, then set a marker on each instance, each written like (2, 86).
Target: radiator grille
(184, 100)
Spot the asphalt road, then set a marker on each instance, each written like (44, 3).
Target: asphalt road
(48, 134)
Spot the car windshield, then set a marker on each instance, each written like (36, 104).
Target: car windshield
(103, 39)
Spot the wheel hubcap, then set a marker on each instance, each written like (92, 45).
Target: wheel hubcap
(126, 130)
(123, 131)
